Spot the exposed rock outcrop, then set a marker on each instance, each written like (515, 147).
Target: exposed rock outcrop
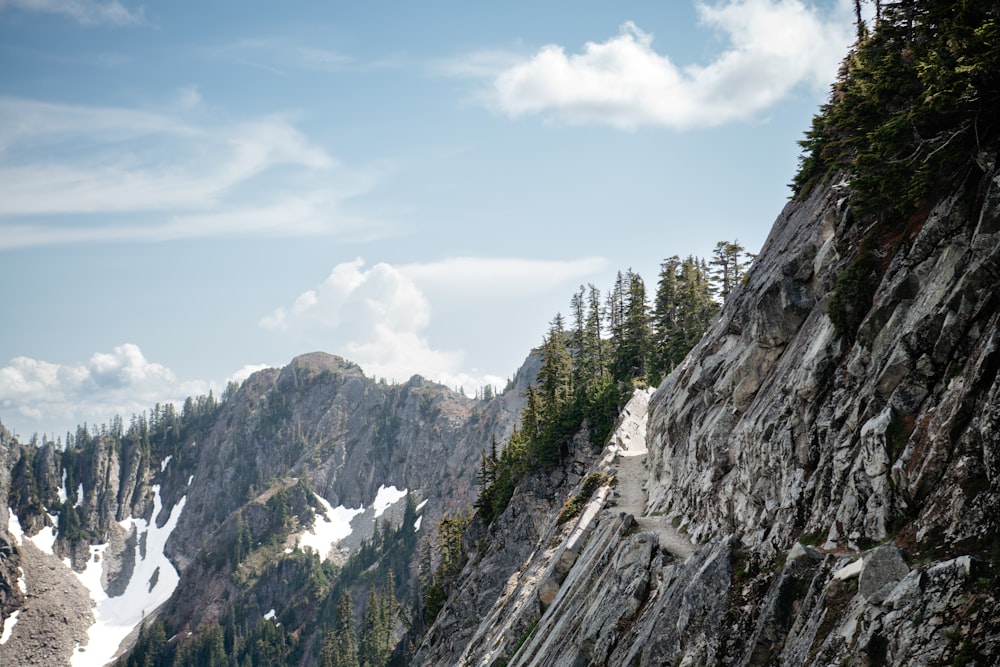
(880, 450)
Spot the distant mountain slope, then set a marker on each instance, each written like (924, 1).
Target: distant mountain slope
(223, 491)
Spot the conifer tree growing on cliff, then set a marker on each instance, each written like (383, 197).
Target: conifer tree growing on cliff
(340, 646)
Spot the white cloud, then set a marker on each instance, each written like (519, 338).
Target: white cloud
(478, 65)
(773, 47)
(374, 315)
(379, 316)
(85, 12)
(496, 278)
(54, 398)
(90, 170)
(26, 121)
(282, 56)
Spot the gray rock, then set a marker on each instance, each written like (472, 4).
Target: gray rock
(800, 552)
(774, 422)
(884, 567)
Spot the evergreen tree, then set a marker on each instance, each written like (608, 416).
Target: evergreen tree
(664, 319)
(914, 104)
(728, 260)
(369, 648)
(556, 373)
(684, 308)
(340, 646)
(632, 348)
(594, 360)
(615, 310)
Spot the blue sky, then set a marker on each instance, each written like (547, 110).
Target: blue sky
(189, 191)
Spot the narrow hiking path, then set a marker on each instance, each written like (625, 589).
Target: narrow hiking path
(630, 472)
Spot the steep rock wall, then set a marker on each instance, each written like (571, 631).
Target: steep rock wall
(878, 450)
(775, 425)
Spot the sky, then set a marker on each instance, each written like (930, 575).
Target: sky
(191, 191)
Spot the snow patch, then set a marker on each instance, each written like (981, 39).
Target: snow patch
(269, 616)
(62, 489)
(79, 495)
(166, 462)
(14, 526)
(153, 581)
(190, 479)
(8, 627)
(47, 542)
(416, 524)
(386, 497)
(328, 530)
(422, 503)
(22, 583)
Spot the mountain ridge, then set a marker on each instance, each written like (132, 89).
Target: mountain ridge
(239, 479)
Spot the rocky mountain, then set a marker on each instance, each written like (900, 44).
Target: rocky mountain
(805, 499)
(818, 482)
(196, 509)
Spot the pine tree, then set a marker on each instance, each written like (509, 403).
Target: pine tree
(664, 320)
(637, 328)
(340, 646)
(728, 258)
(369, 647)
(684, 308)
(556, 373)
(594, 348)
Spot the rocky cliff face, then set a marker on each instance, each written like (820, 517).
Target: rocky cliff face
(11, 596)
(189, 509)
(841, 493)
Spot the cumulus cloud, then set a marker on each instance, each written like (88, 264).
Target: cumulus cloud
(84, 12)
(38, 395)
(376, 315)
(379, 316)
(186, 180)
(773, 46)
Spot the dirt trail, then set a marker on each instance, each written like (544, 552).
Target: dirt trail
(631, 498)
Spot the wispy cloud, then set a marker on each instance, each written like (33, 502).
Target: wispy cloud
(53, 398)
(84, 173)
(280, 56)
(478, 65)
(499, 278)
(379, 316)
(84, 12)
(772, 46)
(284, 55)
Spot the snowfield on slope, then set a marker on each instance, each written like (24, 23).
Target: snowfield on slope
(328, 530)
(153, 581)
